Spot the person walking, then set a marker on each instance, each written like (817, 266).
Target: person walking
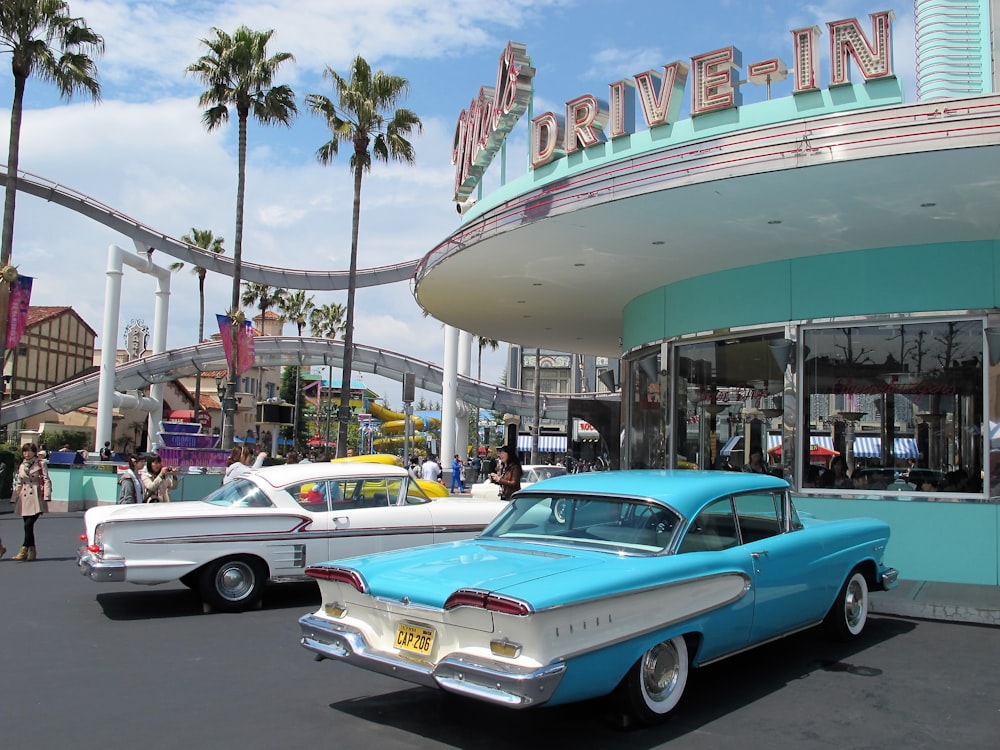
(509, 476)
(32, 492)
(157, 480)
(456, 475)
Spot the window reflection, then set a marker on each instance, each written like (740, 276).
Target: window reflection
(901, 404)
(879, 407)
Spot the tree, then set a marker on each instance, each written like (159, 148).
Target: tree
(295, 308)
(239, 73)
(46, 41)
(493, 345)
(263, 296)
(206, 240)
(362, 119)
(326, 321)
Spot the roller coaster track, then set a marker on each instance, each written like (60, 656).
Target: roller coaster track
(148, 237)
(269, 350)
(277, 351)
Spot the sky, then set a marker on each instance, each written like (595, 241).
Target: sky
(144, 150)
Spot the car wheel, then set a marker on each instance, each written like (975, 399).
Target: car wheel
(654, 685)
(234, 584)
(849, 613)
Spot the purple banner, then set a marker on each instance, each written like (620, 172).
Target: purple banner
(17, 309)
(245, 353)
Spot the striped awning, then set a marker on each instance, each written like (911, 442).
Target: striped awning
(546, 443)
(823, 441)
(871, 447)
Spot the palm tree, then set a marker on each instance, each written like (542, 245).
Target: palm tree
(206, 240)
(327, 321)
(263, 296)
(239, 74)
(45, 40)
(493, 345)
(362, 118)
(296, 307)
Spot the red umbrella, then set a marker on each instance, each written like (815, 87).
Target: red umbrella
(814, 451)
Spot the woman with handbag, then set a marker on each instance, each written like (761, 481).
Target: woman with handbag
(32, 492)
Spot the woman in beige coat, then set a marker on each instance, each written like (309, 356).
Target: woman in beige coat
(32, 492)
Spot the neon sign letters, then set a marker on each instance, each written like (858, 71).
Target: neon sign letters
(588, 121)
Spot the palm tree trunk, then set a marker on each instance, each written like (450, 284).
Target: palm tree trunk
(229, 424)
(201, 337)
(352, 283)
(7, 238)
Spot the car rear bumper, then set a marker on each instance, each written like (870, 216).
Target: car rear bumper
(489, 681)
(98, 569)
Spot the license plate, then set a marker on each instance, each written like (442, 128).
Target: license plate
(415, 638)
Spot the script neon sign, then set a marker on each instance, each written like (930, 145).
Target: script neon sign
(715, 86)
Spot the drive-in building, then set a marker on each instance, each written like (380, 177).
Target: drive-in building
(814, 275)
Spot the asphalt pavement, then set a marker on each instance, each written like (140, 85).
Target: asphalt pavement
(91, 666)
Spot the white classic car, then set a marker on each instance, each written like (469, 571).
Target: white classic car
(530, 473)
(270, 525)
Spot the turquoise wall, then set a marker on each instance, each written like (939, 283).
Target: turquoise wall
(79, 488)
(930, 541)
(920, 278)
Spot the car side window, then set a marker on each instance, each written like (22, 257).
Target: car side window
(714, 528)
(759, 514)
(311, 496)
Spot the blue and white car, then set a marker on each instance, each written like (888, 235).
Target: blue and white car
(593, 584)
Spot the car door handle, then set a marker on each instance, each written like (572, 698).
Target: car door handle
(341, 519)
(758, 555)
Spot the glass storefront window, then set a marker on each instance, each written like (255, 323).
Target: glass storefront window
(901, 405)
(885, 406)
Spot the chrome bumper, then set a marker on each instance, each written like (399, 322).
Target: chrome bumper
(889, 576)
(486, 680)
(98, 569)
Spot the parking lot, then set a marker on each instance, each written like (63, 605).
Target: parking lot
(87, 665)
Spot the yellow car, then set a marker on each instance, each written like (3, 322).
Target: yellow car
(431, 489)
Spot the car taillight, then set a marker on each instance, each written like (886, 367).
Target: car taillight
(485, 600)
(343, 575)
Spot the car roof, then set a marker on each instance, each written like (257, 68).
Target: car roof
(684, 490)
(279, 476)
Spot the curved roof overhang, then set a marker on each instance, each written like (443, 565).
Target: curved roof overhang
(565, 257)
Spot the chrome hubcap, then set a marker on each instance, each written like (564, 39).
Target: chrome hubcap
(854, 604)
(660, 672)
(235, 581)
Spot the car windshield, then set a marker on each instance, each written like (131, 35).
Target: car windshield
(616, 524)
(239, 494)
(547, 472)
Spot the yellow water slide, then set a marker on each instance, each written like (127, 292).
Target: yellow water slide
(393, 422)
